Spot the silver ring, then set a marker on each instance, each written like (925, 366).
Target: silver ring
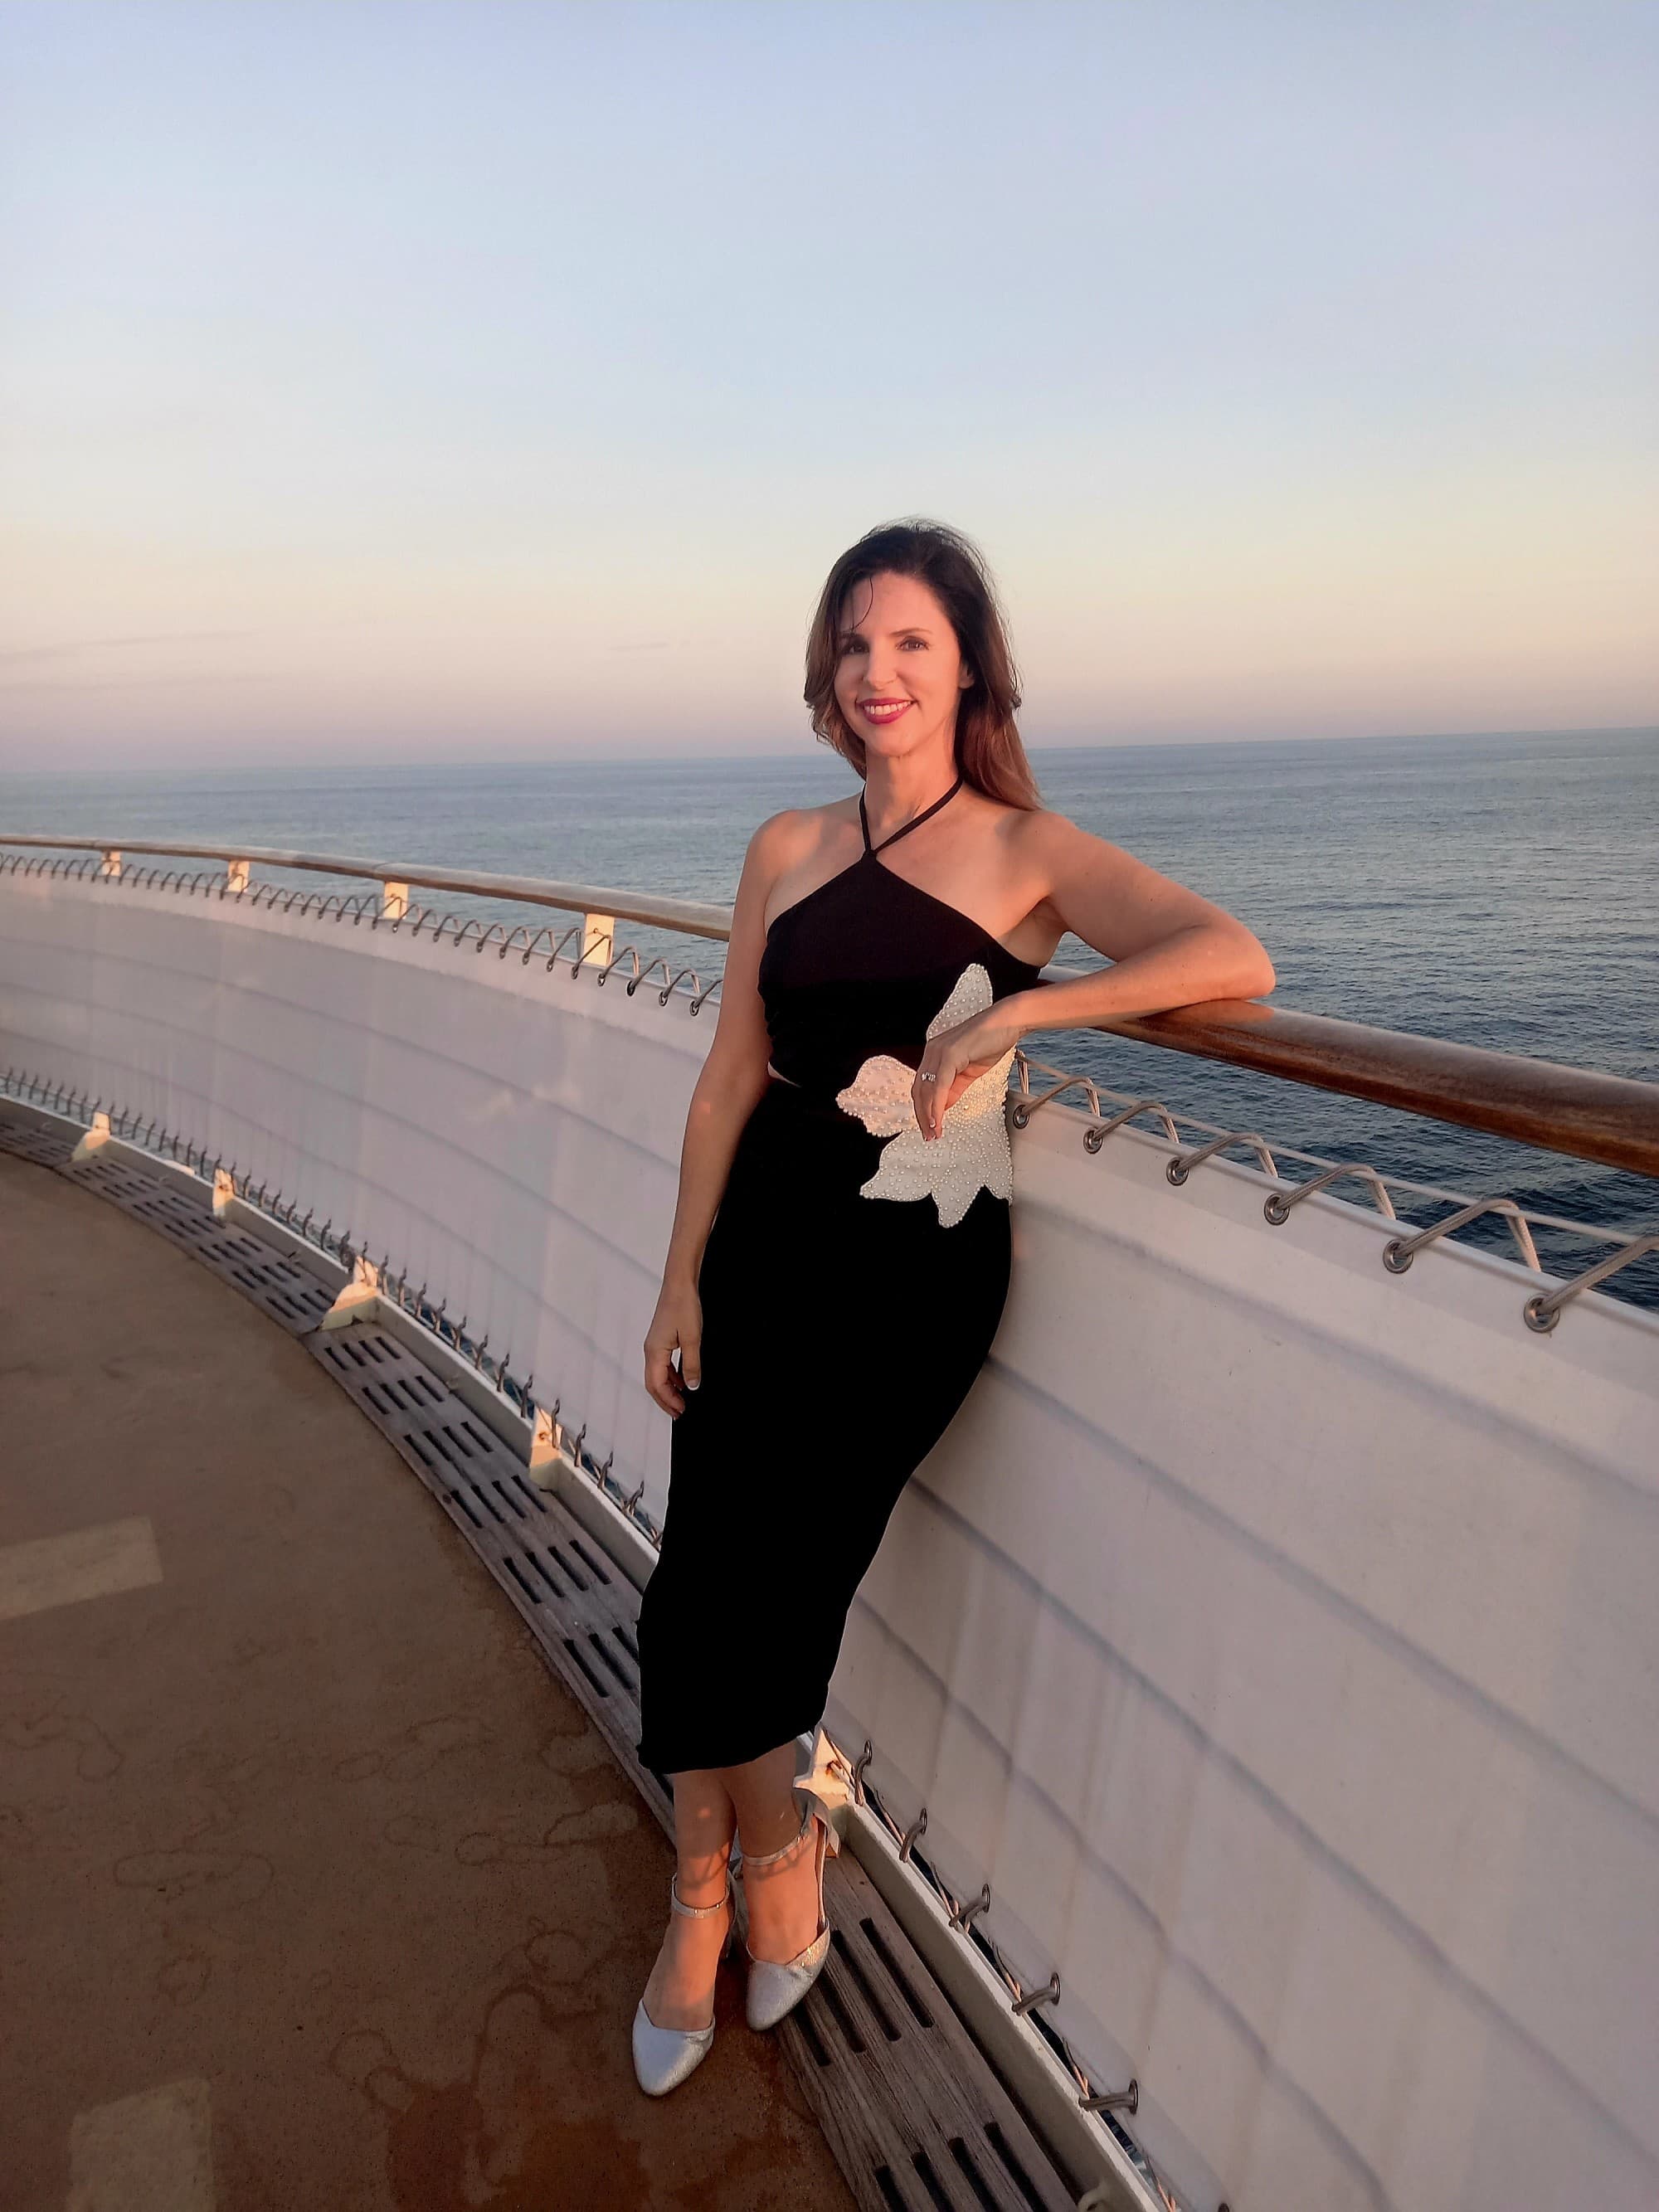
(922, 1077)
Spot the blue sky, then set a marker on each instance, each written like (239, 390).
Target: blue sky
(385, 381)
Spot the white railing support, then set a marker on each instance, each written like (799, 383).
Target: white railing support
(546, 1449)
(97, 1136)
(599, 937)
(359, 1298)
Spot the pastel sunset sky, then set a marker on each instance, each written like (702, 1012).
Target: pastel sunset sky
(384, 380)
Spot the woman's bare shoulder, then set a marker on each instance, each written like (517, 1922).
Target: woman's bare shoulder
(794, 832)
(1026, 833)
(1044, 835)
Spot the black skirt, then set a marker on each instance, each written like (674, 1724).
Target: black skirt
(841, 1332)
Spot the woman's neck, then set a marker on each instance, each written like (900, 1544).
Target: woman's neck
(895, 792)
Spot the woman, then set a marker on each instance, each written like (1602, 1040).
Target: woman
(840, 1253)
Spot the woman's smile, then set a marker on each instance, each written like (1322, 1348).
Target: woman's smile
(882, 710)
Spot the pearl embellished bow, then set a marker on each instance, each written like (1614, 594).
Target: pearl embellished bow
(971, 1153)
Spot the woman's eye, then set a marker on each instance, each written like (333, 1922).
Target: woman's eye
(920, 643)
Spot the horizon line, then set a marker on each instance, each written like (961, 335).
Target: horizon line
(684, 760)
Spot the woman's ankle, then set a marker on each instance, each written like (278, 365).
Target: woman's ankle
(790, 1831)
(709, 1889)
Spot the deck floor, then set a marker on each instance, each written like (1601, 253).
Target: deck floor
(319, 1889)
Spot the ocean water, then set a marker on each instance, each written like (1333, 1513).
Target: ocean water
(1498, 891)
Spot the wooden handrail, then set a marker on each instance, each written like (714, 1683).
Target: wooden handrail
(698, 917)
(1610, 1119)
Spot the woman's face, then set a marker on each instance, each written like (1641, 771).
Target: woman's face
(901, 673)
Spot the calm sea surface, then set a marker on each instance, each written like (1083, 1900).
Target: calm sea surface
(1499, 890)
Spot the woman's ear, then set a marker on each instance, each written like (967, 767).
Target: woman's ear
(964, 679)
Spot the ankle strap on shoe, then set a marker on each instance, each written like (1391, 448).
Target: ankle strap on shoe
(769, 1858)
(697, 1912)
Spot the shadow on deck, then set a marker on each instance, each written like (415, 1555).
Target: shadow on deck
(320, 1890)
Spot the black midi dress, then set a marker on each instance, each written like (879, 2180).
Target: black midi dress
(851, 1284)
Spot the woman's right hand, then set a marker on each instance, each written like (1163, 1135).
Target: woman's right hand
(676, 1324)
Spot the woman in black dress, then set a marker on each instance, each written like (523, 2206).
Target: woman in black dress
(839, 1254)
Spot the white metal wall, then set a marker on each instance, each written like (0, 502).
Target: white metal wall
(1276, 1636)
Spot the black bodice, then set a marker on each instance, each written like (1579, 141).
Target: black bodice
(863, 964)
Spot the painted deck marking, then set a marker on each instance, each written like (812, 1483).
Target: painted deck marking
(116, 1555)
(151, 2152)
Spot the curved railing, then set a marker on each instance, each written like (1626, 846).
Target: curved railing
(1611, 1120)
(1606, 1119)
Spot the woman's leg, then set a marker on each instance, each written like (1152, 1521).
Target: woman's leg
(677, 1995)
(783, 1898)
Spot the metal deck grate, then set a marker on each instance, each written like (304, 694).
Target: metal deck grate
(582, 1609)
(907, 2101)
(281, 1287)
(40, 1141)
(916, 2116)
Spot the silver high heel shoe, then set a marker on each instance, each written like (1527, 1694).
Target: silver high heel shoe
(775, 1987)
(663, 2057)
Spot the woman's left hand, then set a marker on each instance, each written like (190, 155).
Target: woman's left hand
(955, 1058)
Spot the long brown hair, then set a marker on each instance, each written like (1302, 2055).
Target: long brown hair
(989, 753)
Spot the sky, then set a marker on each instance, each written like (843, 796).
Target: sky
(386, 380)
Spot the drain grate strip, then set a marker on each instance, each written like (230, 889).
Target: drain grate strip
(528, 1539)
(42, 1142)
(280, 1286)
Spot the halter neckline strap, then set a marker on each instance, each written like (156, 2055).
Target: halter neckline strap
(916, 821)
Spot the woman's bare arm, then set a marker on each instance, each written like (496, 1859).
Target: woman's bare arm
(1168, 946)
(728, 1088)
